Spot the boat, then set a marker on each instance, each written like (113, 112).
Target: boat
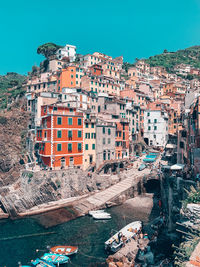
(42, 263)
(64, 250)
(114, 243)
(101, 216)
(91, 212)
(55, 258)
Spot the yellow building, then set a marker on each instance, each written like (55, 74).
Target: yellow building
(89, 153)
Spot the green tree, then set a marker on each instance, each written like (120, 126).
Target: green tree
(48, 49)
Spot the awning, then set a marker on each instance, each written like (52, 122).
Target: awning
(177, 167)
(170, 146)
(149, 160)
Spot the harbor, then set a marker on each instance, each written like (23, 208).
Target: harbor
(85, 232)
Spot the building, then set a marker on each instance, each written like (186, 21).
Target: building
(155, 125)
(89, 157)
(68, 51)
(105, 141)
(60, 137)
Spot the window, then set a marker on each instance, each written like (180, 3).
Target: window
(88, 116)
(69, 147)
(148, 114)
(86, 146)
(109, 132)
(108, 155)
(93, 146)
(59, 147)
(149, 128)
(79, 134)
(79, 146)
(59, 134)
(59, 120)
(69, 134)
(155, 127)
(155, 120)
(149, 121)
(103, 130)
(86, 125)
(104, 155)
(104, 141)
(93, 135)
(108, 140)
(69, 121)
(92, 125)
(79, 121)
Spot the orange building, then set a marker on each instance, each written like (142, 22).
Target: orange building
(96, 70)
(60, 137)
(66, 78)
(122, 139)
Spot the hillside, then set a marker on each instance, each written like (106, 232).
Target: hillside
(168, 60)
(10, 87)
(13, 131)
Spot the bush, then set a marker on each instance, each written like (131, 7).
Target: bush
(3, 120)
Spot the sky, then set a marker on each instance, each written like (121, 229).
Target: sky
(132, 28)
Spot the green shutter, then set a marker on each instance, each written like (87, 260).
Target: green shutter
(69, 147)
(59, 147)
(69, 121)
(59, 120)
(79, 134)
(79, 121)
(59, 134)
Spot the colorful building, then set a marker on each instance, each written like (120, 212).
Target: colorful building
(60, 136)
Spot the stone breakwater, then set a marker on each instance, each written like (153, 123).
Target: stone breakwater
(46, 191)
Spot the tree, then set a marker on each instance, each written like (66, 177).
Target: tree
(165, 51)
(48, 49)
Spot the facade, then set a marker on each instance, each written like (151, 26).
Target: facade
(155, 127)
(89, 158)
(69, 51)
(60, 137)
(122, 139)
(105, 141)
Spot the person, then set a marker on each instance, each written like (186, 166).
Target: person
(145, 236)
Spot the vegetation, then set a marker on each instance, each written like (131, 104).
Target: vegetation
(193, 196)
(48, 49)
(168, 60)
(10, 87)
(127, 66)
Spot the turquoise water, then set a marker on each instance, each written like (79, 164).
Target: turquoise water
(85, 232)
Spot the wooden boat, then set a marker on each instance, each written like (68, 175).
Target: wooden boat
(42, 263)
(114, 243)
(55, 258)
(101, 216)
(64, 250)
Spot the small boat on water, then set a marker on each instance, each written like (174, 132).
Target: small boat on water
(55, 258)
(42, 263)
(91, 212)
(101, 216)
(64, 250)
(114, 243)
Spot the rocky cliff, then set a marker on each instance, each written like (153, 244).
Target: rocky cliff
(13, 129)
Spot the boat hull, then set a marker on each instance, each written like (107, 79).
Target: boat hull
(64, 250)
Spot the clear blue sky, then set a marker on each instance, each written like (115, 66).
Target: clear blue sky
(132, 28)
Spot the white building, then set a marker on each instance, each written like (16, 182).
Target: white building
(155, 127)
(69, 51)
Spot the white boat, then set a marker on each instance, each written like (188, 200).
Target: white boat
(101, 216)
(116, 241)
(91, 212)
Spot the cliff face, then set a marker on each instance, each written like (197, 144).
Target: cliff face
(33, 189)
(13, 129)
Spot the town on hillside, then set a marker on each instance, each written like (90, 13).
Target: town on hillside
(89, 111)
